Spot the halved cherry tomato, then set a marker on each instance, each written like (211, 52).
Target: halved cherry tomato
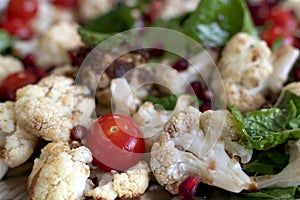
(66, 3)
(282, 18)
(17, 27)
(15, 81)
(23, 9)
(275, 33)
(115, 142)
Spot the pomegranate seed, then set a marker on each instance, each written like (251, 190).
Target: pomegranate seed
(181, 64)
(28, 61)
(297, 74)
(205, 107)
(196, 88)
(205, 95)
(78, 132)
(156, 52)
(189, 186)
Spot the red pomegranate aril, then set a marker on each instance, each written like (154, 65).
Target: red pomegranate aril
(66, 3)
(205, 107)
(205, 95)
(297, 74)
(258, 11)
(189, 186)
(78, 133)
(156, 52)
(17, 27)
(28, 61)
(23, 9)
(196, 88)
(181, 64)
(282, 18)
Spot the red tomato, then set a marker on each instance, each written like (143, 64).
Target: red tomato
(282, 18)
(66, 3)
(274, 33)
(23, 9)
(115, 142)
(17, 27)
(15, 81)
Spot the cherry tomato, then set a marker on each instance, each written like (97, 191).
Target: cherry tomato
(282, 18)
(23, 9)
(15, 81)
(115, 142)
(66, 3)
(17, 27)
(274, 33)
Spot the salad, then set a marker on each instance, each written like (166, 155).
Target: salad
(149, 99)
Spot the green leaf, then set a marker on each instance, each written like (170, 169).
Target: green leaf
(117, 20)
(277, 43)
(215, 22)
(269, 162)
(92, 38)
(166, 102)
(287, 98)
(6, 42)
(270, 194)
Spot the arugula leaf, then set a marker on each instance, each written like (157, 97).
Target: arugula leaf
(6, 42)
(215, 22)
(269, 162)
(116, 20)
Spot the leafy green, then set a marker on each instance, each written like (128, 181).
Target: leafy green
(92, 38)
(166, 102)
(116, 20)
(270, 194)
(6, 42)
(268, 162)
(215, 22)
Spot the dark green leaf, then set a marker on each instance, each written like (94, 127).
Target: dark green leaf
(92, 38)
(271, 194)
(6, 42)
(215, 22)
(287, 98)
(269, 162)
(117, 20)
(167, 102)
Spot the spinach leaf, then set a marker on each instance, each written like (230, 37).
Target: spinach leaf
(271, 194)
(268, 162)
(166, 102)
(92, 38)
(215, 22)
(6, 42)
(116, 20)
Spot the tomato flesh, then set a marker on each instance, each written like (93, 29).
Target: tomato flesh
(15, 81)
(275, 33)
(17, 27)
(115, 142)
(23, 9)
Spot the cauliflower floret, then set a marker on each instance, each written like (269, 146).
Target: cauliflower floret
(9, 65)
(289, 176)
(16, 144)
(51, 108)
(53, 45)
(59, 172)
(129, 184)
(151, 121)
(173, 8)
(249, 70)
(190, 144)
(89, 9)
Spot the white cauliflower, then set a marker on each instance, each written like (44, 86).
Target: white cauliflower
(89, 9)
(59, 172)
(51, 108)
(16, 144)
(151, 121)
(289, 176)
(249, 70)
(122, 96)
(53, 45)
(9, 65)
(193, 144)
(174, 8)
(129, 184)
